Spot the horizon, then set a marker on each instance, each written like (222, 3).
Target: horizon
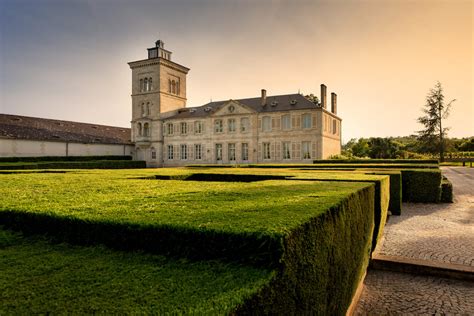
(371, 55)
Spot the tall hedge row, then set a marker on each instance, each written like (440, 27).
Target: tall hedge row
(421, 186)
(322, 264)
(395, 202)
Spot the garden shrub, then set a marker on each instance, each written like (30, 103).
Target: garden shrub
(421, 186)
(100, 164)
(376, 161)
(446, 191)
(218, 177)
(64, 158)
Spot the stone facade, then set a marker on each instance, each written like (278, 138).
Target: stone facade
(267, 129)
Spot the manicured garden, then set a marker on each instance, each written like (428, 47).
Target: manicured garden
(299, 246)
(263, 240)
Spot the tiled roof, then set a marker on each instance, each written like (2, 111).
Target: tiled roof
(276, 103)
(35, 128)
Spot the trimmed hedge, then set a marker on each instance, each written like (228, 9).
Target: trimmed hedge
(376, 161)
(101, 164)
(318, 261)
(64, 158)
(395, 203)
(218, 177)
(421, 186)
(446, 191)
(323, 262)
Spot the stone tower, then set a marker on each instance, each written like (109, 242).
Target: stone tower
(158, 90)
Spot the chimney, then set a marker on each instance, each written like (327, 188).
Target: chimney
(264, 97)
(323, 96)
(334, 103)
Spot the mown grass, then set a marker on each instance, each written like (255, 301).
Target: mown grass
(40, 277)
(270, 206)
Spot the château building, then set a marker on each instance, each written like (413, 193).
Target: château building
(266, 129)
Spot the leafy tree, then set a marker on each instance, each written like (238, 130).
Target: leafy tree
(361, 148)
(432, 137)
(313, 98)
(383, 148)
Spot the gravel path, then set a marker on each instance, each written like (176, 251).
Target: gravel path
(441, 233)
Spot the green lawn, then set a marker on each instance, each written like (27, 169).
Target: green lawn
(272, 207)
(39, 277)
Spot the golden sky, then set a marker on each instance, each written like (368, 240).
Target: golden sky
(67, 59)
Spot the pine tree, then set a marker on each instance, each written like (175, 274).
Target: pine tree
(435, 109)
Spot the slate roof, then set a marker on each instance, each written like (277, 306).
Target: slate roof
(274, 104)
(35, 128)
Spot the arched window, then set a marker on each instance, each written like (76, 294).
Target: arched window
(148, 108)
(139, 128)
(143, 109)
(177, 87)
(146, 84)
(150, 84)
(141, 85)
(169, 85)
(146, 129)
(173, 87)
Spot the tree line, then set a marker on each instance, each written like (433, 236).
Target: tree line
(431, 141)
(405, 147)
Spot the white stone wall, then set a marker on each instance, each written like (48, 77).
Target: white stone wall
(34, 148)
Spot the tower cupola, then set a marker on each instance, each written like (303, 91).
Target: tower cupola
(159, 51)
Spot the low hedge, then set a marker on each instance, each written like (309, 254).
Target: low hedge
(421, 186)
(374, 166)
(376, 161)
(64, 158)
(218, 177)
(446, 191)
(100, 164)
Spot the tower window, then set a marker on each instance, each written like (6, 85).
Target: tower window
(139, 129)
(150, 84)
(146, 129)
